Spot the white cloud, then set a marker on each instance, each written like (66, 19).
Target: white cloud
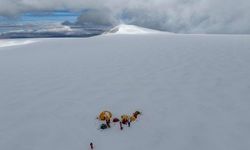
(97, 17)
(188, 16)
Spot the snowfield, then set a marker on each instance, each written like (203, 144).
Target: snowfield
(193, 91)
(6, 43)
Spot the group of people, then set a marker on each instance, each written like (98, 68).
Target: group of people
(106, 118)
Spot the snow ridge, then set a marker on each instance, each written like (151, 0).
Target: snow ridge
(6, 43)
(131, 29)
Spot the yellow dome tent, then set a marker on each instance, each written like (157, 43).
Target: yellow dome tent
(125, 119)
(105, 115)
(132, 118)
(136, 113)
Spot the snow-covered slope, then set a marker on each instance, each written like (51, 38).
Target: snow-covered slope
(193, 91)
(131, 29)
(6, 43)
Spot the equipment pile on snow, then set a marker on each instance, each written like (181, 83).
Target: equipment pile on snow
(106, 116)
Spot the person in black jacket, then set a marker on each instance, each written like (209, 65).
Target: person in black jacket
(91, 145)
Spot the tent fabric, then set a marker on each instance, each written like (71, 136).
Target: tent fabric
(132, 118)
(105, 115)
(135, 114)
(125, 119)
(116, 120)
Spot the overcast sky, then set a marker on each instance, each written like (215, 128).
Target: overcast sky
(185, 16)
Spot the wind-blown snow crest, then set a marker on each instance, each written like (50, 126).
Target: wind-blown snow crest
(6, 43)
(131, 29)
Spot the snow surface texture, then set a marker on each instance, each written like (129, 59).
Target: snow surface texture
(131, 29)
(193, 91)
(6, 43)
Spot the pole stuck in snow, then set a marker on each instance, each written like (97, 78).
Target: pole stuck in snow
(121, 125)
